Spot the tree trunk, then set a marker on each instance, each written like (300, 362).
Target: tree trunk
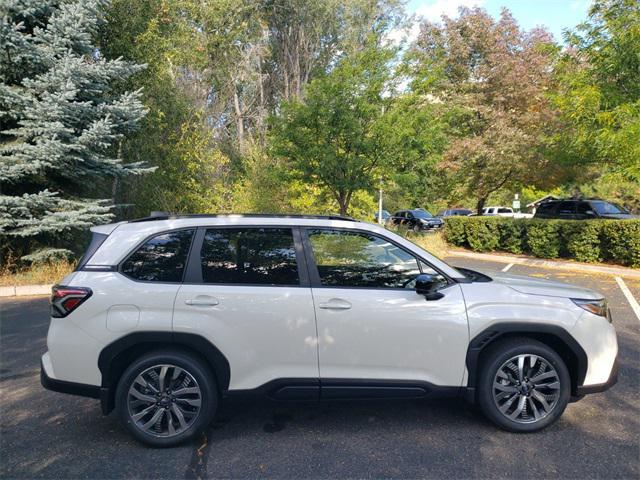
(343, 202)
(239, 119)
(480, 204)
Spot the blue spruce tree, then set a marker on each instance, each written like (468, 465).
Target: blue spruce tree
(62, 114)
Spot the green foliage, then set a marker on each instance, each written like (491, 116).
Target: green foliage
(481, 236)
(60, 122)
(454, 232)
(335, 138)
(599, 89)
(542, 238)
(621, 242)
(585, 241)
(511, 234)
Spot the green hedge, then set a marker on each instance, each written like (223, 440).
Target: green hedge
(616, 241)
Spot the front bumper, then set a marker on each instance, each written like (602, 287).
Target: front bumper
(600, 387)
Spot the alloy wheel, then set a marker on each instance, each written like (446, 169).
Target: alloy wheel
(164, 400)
(526, 388)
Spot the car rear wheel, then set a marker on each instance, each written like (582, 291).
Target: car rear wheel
(524, 385)
(166, 397)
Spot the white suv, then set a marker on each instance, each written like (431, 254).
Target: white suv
(165, 316)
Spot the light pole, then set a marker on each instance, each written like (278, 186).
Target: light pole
(380, 205)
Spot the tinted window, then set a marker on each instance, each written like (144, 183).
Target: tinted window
(606, 208)
(584, 207)
(263, 256)
(505, 210)
(462, 212)
(422, 214)
(161, 259)
(354, 259)
(566, 208)
(546, 208)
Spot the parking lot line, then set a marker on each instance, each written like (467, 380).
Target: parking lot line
(507, 267)
(630, 298)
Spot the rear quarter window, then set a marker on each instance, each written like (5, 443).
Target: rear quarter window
(160, 259)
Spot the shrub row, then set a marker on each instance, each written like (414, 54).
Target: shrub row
(616, 241)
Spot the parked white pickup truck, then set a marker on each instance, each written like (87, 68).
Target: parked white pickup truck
(504, 212)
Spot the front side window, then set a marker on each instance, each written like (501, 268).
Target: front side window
(255, 256)
(606, 208)
(160, 259)
(357, 259)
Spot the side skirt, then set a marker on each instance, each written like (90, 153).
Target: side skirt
(342, 389)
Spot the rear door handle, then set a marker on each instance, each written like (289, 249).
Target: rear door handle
(202, 301)
(335, 304)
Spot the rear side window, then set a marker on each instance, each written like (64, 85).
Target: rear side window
(255, 256)
(546, 208)
(505, 210)
(566, 208)
(160, 259)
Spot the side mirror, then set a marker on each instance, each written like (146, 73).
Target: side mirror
(428, 285)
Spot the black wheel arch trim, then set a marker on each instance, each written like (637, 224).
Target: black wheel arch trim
(116, 357)
(540, 331)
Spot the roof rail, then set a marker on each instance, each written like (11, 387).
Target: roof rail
(168, 216)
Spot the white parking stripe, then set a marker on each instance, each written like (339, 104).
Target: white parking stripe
(507, 267)
(627, 293)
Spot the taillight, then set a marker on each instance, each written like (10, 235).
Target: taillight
(65, 300)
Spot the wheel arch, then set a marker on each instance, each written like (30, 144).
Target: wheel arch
(118, 355)
(555, 337)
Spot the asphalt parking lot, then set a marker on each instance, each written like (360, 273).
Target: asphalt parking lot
(49, 435)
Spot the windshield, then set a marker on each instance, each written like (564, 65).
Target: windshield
(421, 214)
(606, 208)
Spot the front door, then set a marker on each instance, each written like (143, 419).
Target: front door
(372, 325)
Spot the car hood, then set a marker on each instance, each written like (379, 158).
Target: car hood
(551, 288)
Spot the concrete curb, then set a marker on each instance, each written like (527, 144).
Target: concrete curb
(24, 290)
(559, 265)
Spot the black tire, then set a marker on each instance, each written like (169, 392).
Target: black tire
(416, 228)
(500, 354)
(207, 396)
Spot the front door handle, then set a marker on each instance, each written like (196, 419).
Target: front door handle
(335, 304)
(202, 301)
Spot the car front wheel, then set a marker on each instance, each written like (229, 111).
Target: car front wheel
(524, 385)
(165, 398)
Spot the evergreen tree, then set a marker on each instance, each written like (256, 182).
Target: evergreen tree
(61, 119)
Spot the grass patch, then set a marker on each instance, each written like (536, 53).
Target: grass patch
(432, 242)
(41, 274)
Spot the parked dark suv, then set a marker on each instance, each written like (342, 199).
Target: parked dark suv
(581, 210)
(416, 220)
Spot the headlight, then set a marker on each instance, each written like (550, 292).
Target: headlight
(597, 307)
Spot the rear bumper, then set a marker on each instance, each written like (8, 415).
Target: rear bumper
(601, 387)
(72, 388)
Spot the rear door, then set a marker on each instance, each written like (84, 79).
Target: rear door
(247, 292)
(566, 210)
